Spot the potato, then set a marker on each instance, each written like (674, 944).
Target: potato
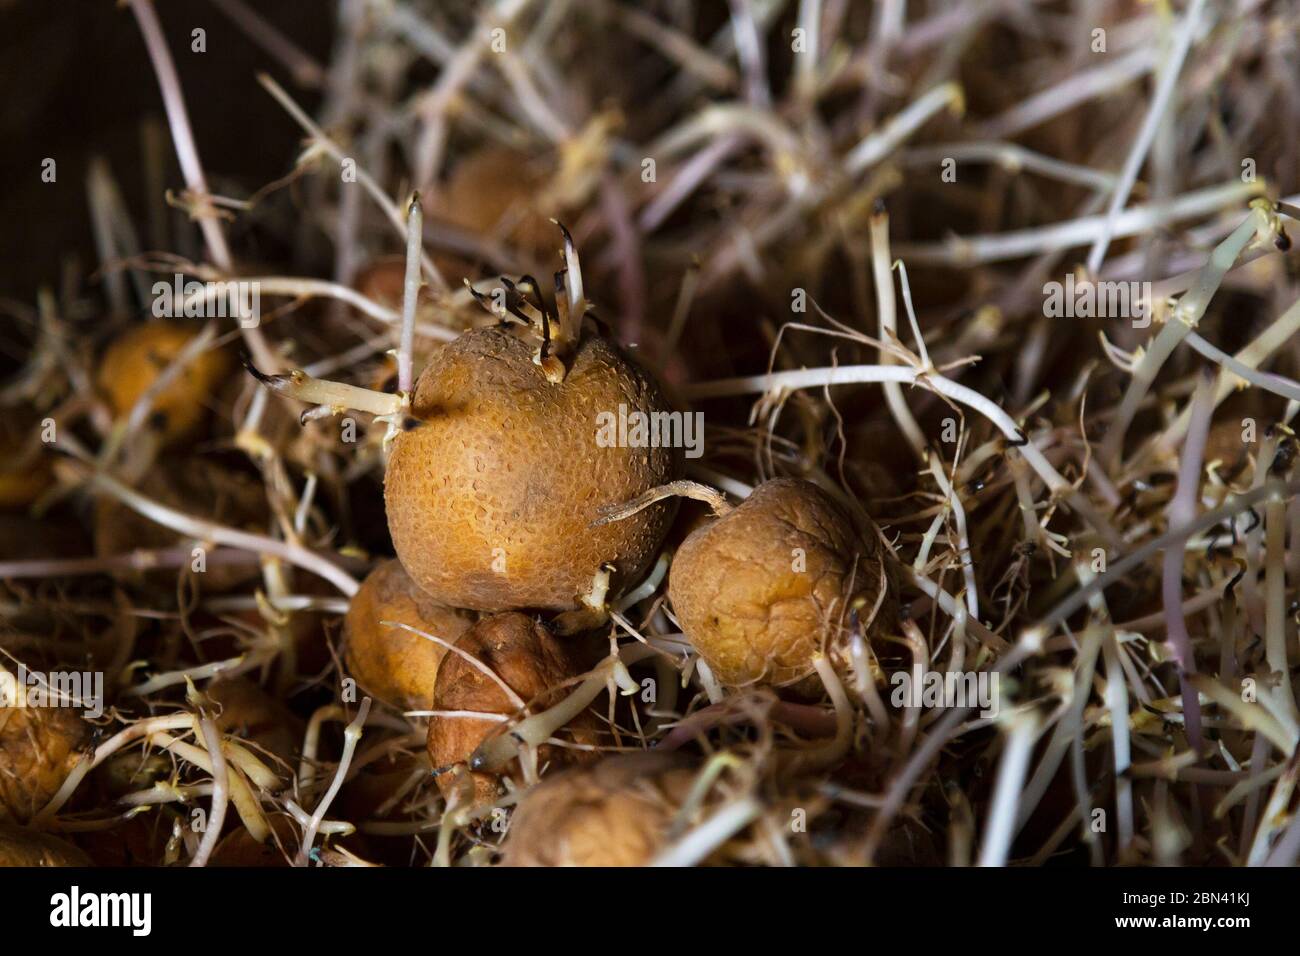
(25, 466)
(238, 848)
(141, 840)
(22, 847)
(390, 663)
(491, 497)
(760, 590)
(135, 359)
(249, 712)
(39, 746)
(614, 813)
(532, 663)
(498, 193)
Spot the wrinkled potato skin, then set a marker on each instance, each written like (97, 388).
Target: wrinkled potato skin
(531, 662)
(615, 813)
(505, 467)
(22, 847)
(751, 616)
(135, 359)
(393, 664)
(39, 746)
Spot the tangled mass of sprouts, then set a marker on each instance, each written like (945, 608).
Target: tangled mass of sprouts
(779, 432)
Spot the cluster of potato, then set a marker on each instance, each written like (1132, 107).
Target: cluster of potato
(495, 494)
(497, 497)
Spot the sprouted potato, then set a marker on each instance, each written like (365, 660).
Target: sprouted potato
(397, 665)
(502, 651)
(135, 360)
(614, 813)
(763, 588)
(39, 746)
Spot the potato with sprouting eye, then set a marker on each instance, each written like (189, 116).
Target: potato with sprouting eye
(501, 458)
(392, 663)
(761, 589)
(134, 361)
(617, 812)
(519, 652)
(39, 746)
(492, 491)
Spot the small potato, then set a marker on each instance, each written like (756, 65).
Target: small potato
(22, 847)
(135, 359)
(39, 746)
(141, 840)
(391, 663)
(238, 848)
(615, 813)
(499, 193)
(759, 590)
(532, 663)
(249, 712)
(25, 469)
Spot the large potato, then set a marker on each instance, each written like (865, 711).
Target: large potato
(22, 847)
(491, 496)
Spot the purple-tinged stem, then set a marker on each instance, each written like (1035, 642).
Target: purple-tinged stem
(1181, 512)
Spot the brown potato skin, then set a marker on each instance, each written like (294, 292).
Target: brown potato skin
(39, 746)
(532, 663)
(135, 359)
(614, 813)
(504, 459)
(238, 848)
(252, 714)
(20, 847)
(23, 477)
(752, 617)
(390, 663)
(497, 192)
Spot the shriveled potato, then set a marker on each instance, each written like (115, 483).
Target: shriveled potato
(391, 663)
(39, 746)
(532, 663)
(20, 846)
(135, 359)
(614, 813)
(491, 497)
(759, 590)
